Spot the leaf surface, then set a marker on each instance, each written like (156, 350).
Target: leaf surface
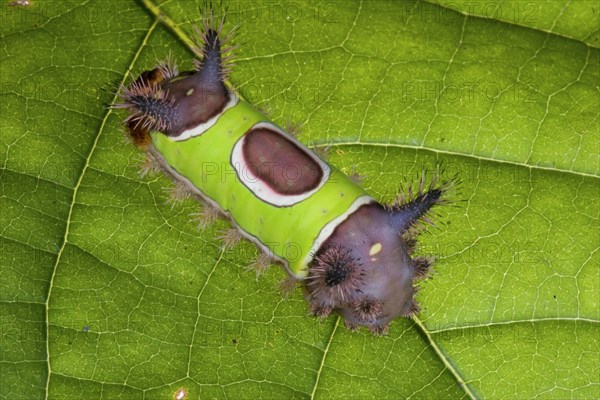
(107, 292)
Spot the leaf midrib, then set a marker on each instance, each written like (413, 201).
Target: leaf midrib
(452, 153)
(514, 322)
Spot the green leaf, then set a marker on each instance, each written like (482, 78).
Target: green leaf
(107, 292)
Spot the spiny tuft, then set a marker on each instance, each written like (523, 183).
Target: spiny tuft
(368, 308)
(211, 41)
(149, 106)
(421, 267)
(335, 274)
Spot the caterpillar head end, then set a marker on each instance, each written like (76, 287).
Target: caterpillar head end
(364, 270)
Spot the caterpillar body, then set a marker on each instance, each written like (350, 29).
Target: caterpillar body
(351, 254)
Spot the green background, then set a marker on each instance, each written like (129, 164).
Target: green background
(107, 292)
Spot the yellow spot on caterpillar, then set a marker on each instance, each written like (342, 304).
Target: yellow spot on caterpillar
(376, 248)
(189, 92)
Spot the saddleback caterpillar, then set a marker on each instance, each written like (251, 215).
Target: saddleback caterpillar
(356, 254)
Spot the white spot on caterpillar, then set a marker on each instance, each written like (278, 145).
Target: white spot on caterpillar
(189, 92)
(376, 248)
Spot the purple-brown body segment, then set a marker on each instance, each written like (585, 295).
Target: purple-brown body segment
(196, 106)
(383, 289)
(166, 101)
